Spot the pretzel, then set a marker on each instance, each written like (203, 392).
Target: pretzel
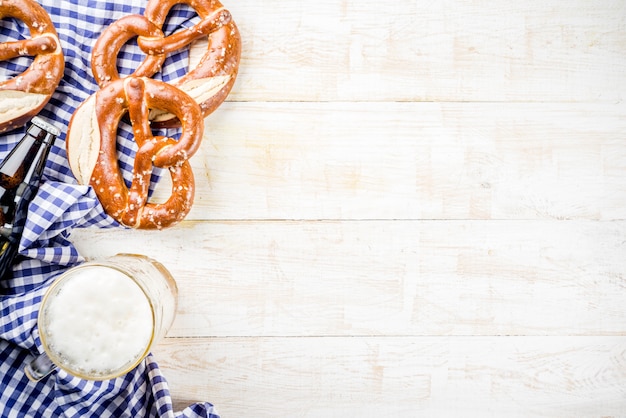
(208, 83)
(23, 96)
(91, 148)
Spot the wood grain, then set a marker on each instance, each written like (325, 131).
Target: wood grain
(450, 50)
(411, 161)
(406, 209)
(401, 376)
(388, 277)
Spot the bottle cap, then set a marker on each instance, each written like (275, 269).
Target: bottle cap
(45, 126)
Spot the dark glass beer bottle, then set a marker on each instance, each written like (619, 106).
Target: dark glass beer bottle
(20, 177)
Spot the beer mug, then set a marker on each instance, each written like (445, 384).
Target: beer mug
(99, 320)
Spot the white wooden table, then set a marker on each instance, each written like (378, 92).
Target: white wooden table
(407, 209)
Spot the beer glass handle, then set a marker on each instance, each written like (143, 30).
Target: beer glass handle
(39, 368)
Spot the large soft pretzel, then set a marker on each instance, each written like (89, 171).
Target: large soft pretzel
(208, 83)
(23, 96)
(92, 154)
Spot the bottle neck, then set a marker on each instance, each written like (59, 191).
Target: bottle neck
(16, 166)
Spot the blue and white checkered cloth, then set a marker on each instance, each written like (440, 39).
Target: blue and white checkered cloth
(62, 205)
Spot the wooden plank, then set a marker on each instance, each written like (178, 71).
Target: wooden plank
(411, 161)
(399, 377)
(450, 50)
(387, 277)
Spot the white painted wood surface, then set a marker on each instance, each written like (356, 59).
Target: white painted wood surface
(413, 209)
(427, 50)
(412, 161)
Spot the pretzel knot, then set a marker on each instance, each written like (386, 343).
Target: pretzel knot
(209, 83)
(92, 152)
(23, 96)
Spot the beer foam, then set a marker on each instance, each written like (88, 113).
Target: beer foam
(98, 321)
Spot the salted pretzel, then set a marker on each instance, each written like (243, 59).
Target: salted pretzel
(214, 75)
(92, 154)
(23, 96)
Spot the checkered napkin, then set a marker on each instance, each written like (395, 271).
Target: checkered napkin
(62, 205)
